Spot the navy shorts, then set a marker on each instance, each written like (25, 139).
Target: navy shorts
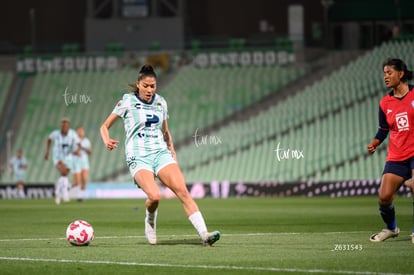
(400, 168)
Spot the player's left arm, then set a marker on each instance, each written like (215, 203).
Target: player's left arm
(88, 148)
(168, 138)
(78, 146)
(25, 165)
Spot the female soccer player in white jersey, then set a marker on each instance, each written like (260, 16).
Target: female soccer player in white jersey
(81, 165)
(65, 145)
(150, 152)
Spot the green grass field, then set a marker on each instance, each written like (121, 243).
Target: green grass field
(259, 236)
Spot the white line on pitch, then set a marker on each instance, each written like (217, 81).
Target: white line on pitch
(192, 235)
(275, 269)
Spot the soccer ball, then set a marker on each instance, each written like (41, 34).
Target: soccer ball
(79, 233)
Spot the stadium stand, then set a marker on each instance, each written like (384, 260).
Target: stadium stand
(330, 123)
(321, 131)
(6, 79)
(190, 94)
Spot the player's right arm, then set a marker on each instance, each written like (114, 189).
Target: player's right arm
(110, 143)
(48, 143)
(382, 132)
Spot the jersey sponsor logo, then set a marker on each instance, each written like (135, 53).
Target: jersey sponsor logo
(151, 119)
(142, 135)
(140, 106)
(402, 122)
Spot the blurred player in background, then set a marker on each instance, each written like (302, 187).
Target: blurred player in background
(150, 152)
(81, 165)
(65, 144)
(18, 166)
(396, 115)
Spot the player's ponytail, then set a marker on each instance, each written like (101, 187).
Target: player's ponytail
(408, 74)
(145, 71)
(399, 65)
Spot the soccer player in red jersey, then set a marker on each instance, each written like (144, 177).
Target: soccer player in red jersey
(396, 115)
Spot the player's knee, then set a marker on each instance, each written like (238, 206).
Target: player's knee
(154, 197)
(385, 199)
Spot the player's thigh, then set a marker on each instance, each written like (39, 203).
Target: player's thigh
(62, 167)
(390, 184)
(172, 177)
(146, 181)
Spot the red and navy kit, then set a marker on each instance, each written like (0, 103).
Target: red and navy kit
(396, 115)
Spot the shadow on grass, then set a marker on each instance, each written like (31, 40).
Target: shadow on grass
(180, 242)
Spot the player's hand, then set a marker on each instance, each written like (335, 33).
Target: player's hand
(372, 146)
(46, 156)
(111, 144)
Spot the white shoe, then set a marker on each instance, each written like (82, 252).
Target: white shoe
(150, 232)
(412, 237)
(384, 234)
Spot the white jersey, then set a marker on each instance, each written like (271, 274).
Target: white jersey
(143, 124)
(19, 167)
(64, 145)
(85, 145)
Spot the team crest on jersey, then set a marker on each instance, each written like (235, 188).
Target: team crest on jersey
(159, 106)
(402, 122)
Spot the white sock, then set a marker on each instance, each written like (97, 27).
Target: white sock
(21, 194)
(198, 222)
(82, 194)
(65, 188)
(58, 187)
(151, 217)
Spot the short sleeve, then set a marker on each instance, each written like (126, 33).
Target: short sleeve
(87, 143)
(120, 108)
(52, 135)
(165, 109)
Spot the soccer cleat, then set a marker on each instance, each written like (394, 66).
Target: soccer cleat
(150, 232)
(384, 234)
(211, 238)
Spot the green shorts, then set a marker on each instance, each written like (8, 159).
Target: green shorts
(79, 164)
(153, 162)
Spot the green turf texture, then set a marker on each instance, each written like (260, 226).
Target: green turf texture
(259, 236)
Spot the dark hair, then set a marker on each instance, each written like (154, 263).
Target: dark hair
(145, 71)
(400, 66)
